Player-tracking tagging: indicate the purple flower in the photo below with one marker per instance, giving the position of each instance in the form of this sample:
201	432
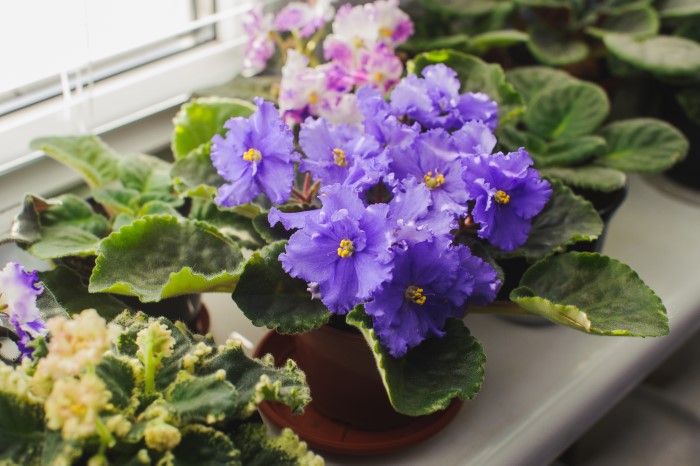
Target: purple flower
256	155
508	193
474	137
344	248
260	47
18	292
411	219
340	154
384	127
430	283
433	159
304	18
435	102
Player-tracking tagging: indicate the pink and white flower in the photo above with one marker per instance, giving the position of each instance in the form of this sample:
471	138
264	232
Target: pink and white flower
260	46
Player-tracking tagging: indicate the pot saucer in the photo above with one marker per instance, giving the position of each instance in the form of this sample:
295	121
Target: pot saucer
326	434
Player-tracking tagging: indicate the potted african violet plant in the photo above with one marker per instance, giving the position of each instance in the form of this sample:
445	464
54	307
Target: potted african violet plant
136	390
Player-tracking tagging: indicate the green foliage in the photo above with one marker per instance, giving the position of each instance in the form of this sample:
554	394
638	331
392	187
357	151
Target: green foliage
194	175
430	375
200	119
289	308
588	177
678	8
660	55
554	48
592	293
21	428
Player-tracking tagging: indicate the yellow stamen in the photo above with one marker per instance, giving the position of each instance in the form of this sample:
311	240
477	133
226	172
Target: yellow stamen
339	157
378	77
359	43
252	155
433	182
415	294
386	32
502	197
313	97
346	248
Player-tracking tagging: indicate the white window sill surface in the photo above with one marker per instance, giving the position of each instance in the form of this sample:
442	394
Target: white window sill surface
545	386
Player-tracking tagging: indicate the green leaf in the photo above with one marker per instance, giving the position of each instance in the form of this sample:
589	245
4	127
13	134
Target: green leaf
200	119
620	6
511	139
642	145
592	293
567	111
91	157
460	7
145	173
70	210
455	41
689	100
661	55
637	22
117	200
430	375
194	174
199	399
205	446
564	4
237	227
566	219
502	38
678	8
59	451
588	177
553	48
569	151
68	291
21	427
269	297
529	80
64	241
475	75
118	376
245	88
259	449
157	257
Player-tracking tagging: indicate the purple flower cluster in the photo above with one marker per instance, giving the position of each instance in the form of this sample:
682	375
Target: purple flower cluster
430	153
18	292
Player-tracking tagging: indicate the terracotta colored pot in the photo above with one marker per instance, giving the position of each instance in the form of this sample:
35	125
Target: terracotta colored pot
344	379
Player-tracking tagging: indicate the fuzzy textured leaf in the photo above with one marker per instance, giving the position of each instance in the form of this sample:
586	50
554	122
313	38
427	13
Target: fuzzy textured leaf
72	296
290	308
569	151
119	378
551	48
204	397
460	7
592	293
589	177
502	38
572	110
637	22
258	449
21	429
430	375
642	145
238	227
194	174
200	119
205	446
678	8
475	76
662	55
157	257
529	80
566	219
64	241
91	157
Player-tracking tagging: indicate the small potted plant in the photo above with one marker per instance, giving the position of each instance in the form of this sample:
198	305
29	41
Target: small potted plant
136	390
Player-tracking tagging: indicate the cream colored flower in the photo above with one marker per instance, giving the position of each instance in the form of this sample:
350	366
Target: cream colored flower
161	436
74	406
158	337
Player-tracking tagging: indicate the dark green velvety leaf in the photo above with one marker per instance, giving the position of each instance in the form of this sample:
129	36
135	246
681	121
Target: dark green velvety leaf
475	76
70	210
157	208
68	291
145	173
269	297
567	111
194	174
570	151
119	378
157	257
26	227
642	145
529	80
117	200
196	399
59	451
588	177
502	38
678	8
21	429
553	48
236	226
565	220
460	7
661	55
430	375
259	449
200	119
257	380
64	241
456	41
205	446
689	99
637	22
511	139
121	220
620	6
592	293
95	161
273	233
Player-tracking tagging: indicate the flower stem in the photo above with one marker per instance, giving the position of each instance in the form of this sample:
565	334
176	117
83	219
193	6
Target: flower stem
106	438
